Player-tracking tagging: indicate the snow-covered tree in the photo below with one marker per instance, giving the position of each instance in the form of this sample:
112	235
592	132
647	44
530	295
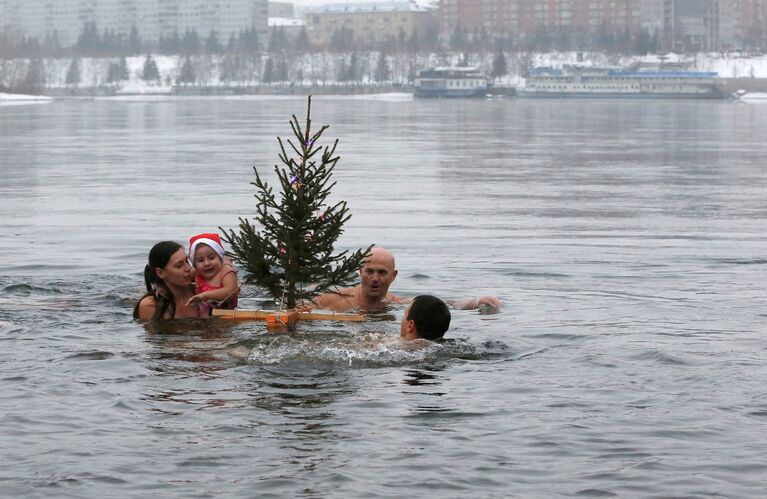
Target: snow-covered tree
73	73
500	65
150	72
382	73
186	76
268	76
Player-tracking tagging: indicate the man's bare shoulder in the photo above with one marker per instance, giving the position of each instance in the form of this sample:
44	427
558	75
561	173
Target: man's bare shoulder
339	302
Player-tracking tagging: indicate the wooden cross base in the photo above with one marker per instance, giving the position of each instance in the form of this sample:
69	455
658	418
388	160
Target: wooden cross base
282	318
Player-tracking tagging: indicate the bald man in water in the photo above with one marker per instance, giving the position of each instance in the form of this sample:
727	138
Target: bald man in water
376	275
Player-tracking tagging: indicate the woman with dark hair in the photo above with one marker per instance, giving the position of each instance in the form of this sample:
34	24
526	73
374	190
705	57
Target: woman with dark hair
169	285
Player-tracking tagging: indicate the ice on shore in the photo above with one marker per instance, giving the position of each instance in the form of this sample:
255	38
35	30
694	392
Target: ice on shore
21	99
754	97
141	87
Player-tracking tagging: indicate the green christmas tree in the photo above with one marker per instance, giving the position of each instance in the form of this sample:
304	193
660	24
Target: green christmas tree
290	251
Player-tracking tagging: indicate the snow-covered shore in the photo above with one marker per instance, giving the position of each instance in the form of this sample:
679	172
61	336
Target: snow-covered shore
755	97
319	72
323	69
18	99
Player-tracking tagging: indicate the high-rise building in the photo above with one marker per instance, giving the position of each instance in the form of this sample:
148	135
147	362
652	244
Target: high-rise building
466	15
509	17
651	15
750	23
281	9
681	24
152	18
617	15
700	25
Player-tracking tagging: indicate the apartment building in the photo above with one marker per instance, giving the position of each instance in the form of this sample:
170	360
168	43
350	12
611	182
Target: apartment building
509	17
619	15
651	15
369	23
684	25
700	25
750	24
152	18
469	16
285	10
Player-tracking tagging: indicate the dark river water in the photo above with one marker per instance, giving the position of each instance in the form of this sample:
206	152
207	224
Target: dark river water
627	240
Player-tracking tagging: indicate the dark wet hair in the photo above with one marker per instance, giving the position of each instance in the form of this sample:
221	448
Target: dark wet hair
159	256
431	317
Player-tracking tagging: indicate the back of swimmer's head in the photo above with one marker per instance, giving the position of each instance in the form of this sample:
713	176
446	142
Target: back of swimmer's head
430	317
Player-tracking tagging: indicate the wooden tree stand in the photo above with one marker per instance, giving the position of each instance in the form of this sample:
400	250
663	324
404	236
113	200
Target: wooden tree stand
282	318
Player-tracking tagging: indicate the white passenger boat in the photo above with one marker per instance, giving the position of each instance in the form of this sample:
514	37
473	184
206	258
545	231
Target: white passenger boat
451	82
634	82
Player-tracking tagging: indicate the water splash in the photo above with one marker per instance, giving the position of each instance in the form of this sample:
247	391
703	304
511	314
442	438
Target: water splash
365	350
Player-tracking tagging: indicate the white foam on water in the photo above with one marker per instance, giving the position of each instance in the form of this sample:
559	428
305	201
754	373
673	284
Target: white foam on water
369	350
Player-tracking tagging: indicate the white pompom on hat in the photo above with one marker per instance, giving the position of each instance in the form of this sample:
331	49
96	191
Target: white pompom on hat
210	239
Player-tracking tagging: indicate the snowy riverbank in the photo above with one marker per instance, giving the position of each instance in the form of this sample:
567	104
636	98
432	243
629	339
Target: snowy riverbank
247	73
755	97
17	99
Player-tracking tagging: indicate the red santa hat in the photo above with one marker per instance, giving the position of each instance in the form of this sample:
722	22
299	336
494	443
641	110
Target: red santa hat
208	238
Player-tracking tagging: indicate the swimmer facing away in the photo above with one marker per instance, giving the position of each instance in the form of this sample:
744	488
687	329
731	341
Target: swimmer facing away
427	317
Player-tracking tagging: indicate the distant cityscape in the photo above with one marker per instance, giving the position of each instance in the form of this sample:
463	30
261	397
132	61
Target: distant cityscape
63	28
678	25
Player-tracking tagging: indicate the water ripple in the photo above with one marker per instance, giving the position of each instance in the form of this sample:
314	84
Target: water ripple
94	355
625	238
660	357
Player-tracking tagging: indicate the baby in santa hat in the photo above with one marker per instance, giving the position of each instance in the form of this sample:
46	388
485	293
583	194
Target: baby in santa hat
216	279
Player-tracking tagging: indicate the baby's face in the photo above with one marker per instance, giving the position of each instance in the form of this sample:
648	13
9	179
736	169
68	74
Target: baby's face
207	262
